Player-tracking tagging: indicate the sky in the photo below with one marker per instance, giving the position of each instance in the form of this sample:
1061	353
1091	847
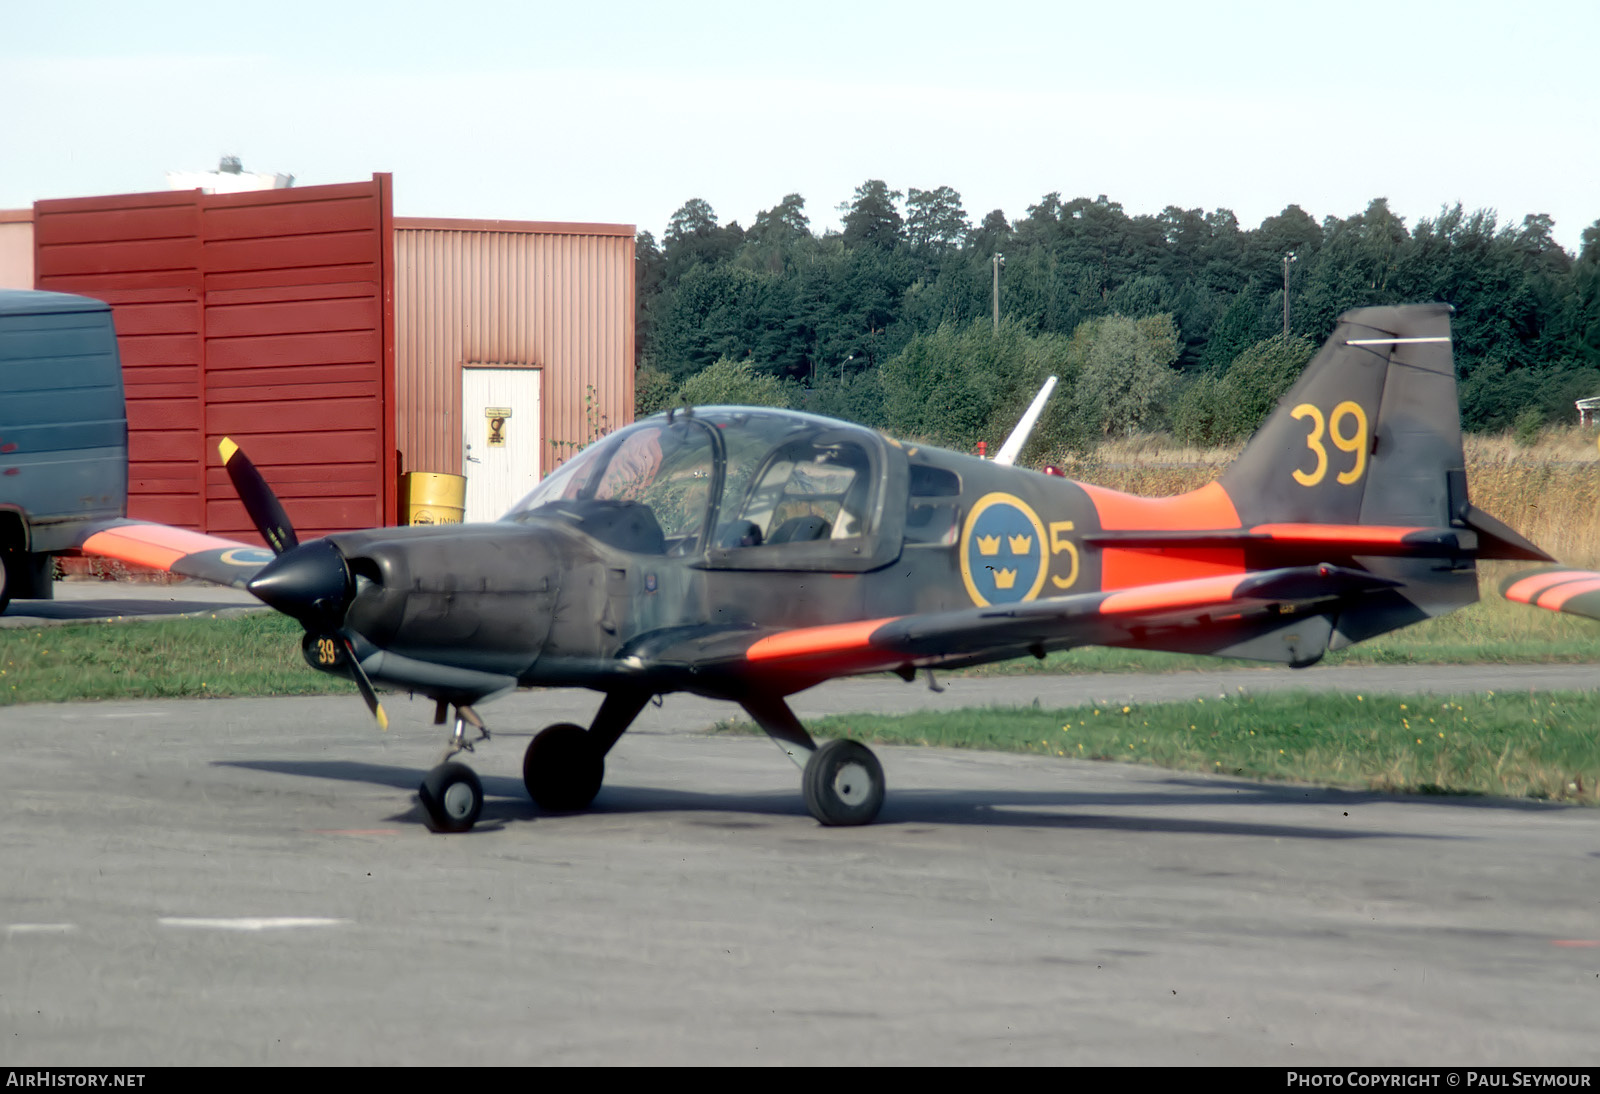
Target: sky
620	112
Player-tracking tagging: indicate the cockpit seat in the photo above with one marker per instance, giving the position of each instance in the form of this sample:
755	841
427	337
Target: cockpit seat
738	533
800	530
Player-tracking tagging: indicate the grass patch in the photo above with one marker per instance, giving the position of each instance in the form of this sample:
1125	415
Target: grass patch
257	654
1543	746
1491	631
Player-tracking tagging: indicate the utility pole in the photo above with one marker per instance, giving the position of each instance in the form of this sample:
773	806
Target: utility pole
1287	258
999	260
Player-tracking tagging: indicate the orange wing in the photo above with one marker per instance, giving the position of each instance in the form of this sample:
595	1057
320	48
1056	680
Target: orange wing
1573	591
175	550
1223	609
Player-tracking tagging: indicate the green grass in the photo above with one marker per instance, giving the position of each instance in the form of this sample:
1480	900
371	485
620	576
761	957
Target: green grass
257	654
1542	746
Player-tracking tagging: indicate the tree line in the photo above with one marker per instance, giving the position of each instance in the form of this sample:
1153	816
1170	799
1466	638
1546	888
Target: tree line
1184	320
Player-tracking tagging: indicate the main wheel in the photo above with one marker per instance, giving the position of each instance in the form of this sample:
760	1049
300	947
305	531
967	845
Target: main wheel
843	783
563	769
452	798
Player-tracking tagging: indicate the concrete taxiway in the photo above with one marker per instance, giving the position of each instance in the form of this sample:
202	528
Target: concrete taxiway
88	600
248	882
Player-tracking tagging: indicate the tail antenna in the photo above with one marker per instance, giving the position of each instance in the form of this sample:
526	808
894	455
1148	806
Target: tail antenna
1019	436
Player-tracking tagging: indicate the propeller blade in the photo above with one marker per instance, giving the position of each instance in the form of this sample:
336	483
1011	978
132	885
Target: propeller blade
365	685
259	500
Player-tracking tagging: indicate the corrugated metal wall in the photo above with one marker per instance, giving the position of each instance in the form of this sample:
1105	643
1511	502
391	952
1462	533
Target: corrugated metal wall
558	297
16	248
262	316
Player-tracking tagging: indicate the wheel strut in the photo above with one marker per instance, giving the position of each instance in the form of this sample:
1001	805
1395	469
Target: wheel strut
465	716
451	795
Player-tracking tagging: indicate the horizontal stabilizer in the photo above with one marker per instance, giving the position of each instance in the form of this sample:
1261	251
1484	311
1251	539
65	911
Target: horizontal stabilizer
1497	540
1325	539
1574	591
1484	537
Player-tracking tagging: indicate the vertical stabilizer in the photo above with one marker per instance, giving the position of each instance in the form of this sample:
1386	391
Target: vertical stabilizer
1370	434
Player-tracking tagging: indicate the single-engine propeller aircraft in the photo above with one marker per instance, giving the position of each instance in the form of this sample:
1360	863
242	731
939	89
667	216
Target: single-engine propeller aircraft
747	554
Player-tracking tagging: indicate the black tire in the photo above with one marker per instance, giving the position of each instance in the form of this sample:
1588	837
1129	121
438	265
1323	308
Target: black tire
563	769
13	577
843	783
452	798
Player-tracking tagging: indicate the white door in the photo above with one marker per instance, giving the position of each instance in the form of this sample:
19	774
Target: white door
499	437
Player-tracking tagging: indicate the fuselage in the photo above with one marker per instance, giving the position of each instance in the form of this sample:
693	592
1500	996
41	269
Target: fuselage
741	518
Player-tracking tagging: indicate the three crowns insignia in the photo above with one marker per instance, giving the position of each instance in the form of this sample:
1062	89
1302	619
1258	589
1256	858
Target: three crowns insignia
989	547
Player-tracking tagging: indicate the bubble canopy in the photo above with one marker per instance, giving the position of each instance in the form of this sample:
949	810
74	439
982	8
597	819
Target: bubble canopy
736	488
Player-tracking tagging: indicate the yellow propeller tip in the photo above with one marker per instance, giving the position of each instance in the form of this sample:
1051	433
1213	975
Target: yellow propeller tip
227	448
383	719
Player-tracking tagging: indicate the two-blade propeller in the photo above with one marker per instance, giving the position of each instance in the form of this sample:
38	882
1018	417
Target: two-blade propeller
309	582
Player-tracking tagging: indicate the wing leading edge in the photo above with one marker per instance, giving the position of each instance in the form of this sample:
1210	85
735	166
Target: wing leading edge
1226	605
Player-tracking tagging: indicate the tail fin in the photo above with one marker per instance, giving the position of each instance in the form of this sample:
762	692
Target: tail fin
1370	434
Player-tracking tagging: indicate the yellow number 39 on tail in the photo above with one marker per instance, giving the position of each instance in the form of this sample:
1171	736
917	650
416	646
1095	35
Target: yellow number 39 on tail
1353	442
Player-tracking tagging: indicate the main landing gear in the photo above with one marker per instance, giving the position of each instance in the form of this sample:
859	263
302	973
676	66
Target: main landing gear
842	780
565	764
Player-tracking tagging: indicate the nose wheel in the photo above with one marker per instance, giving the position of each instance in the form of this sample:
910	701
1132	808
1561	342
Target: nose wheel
452	797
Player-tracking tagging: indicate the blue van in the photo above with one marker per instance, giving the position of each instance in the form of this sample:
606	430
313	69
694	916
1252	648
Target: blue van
63	432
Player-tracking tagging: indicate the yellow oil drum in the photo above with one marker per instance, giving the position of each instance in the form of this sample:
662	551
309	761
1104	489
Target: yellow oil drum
432	497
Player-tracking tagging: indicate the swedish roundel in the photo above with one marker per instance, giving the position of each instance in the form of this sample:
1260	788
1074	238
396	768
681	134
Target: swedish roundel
1002	551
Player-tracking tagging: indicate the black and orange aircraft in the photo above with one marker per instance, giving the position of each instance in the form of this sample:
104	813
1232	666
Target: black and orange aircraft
748	554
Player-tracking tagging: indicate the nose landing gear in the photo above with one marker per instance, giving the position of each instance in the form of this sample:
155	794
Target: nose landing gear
452	798
451	795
